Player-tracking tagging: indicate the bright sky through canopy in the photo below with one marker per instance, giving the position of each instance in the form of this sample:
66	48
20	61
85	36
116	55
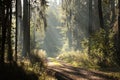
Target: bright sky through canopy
57	1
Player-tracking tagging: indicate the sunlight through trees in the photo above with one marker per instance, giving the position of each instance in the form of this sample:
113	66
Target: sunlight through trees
36	35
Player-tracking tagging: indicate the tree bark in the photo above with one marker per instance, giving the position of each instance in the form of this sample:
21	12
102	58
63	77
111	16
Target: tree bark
18	27
112	2
100	13
4	18
90	26
118	49
9	25
26	29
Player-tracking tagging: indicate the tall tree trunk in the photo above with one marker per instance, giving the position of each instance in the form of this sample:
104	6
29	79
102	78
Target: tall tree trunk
90	26
112	2
100	13
10	52
118	49
18	27
0	26
26	29
16	37
4	18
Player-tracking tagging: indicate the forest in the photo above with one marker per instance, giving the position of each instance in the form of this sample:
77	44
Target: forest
59	39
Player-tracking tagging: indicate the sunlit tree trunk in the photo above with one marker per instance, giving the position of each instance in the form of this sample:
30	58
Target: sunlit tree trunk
19	27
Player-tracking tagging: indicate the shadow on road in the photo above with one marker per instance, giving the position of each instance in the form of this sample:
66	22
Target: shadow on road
68	72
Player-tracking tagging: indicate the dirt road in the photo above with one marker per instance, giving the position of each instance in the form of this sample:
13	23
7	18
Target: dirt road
68	72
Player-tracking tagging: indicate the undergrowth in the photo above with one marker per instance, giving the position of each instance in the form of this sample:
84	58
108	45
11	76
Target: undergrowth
81	59
78	59
36	68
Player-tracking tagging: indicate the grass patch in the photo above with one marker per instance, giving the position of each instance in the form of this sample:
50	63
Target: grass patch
77	59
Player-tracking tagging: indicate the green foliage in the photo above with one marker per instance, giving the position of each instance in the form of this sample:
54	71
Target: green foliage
41	71
36	67
97	57
38	22
76	58
99	48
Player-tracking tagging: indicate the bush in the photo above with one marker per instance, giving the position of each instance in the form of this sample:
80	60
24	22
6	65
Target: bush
76	58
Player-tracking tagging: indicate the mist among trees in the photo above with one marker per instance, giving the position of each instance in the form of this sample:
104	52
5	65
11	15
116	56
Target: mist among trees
59	39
